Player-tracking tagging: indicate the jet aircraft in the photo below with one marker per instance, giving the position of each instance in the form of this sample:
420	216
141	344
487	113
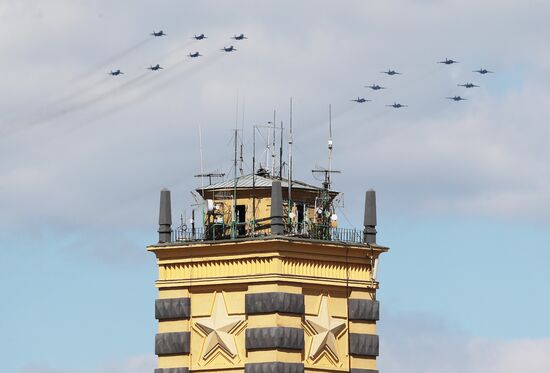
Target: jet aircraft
375	87
390	72
239	37
200	37
157	34
229	49
396	105
115	72
194	55
155	68
483	71
456	98
448	61
468	85
360	100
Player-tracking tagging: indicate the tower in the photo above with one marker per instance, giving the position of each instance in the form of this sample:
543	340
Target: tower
266	284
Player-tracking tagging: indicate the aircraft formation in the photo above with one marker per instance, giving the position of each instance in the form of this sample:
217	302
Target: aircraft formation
397	105
196	54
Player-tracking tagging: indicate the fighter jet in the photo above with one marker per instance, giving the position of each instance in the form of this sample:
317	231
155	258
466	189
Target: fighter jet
200	37
448	61
155	68
396	105
194	55
468	85
115	72
390	72
360	100
483	71
157	34
239	37
229	49
375	87
456	98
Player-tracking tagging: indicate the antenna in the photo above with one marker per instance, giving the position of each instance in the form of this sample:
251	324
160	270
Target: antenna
253	178
209	175
273	147
329	142
325	206
234	210
281	154
290	157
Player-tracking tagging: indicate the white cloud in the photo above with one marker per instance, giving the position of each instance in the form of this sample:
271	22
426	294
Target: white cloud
417	344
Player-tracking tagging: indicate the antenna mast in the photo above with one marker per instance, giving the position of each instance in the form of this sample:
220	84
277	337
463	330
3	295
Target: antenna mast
290	157
281	154
273	147
253	178
234	210
329	144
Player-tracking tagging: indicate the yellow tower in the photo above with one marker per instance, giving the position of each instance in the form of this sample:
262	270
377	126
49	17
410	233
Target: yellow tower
265	285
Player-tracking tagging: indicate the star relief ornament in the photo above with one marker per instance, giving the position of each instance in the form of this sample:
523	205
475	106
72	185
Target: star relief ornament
325	330
219	329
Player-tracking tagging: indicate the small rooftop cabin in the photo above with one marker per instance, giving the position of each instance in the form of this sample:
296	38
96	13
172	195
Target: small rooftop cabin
258	205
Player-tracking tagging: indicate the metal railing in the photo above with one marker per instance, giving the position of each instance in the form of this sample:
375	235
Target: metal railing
223	232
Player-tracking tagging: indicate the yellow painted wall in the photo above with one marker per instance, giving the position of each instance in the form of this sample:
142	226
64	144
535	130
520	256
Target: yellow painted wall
232	269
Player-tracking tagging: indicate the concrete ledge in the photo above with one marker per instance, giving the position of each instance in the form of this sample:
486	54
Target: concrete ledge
275	338
172	370
172	343
355	370
173	308
363	344
274	302
363	310
275	367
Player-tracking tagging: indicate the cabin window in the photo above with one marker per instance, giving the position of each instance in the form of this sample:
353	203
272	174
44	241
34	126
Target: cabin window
241	219
300	209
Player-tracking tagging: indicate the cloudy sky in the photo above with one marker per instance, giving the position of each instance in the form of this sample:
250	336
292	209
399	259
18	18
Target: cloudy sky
462	187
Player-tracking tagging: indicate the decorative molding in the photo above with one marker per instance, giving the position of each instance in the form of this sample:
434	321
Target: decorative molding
172	343
274	338
363	310
363	344
301	268
324	269
274	302
274	367
173	308
215	268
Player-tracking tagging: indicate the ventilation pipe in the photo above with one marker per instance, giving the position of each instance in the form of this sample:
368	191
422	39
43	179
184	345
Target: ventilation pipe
277	224
165	217
369	232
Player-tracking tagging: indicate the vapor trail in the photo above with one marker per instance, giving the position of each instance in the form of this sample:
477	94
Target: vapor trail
157	86
105	63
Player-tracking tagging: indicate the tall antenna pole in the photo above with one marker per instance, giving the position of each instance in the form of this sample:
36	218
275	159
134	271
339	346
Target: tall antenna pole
281	154
329	144
290	157
273	147
253	178
234	212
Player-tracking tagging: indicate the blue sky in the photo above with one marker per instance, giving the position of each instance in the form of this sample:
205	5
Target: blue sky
462	187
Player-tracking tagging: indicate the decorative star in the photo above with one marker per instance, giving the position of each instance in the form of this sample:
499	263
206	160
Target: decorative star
218	329
326	329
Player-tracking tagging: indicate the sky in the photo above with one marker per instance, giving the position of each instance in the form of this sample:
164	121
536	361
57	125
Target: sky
462	192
